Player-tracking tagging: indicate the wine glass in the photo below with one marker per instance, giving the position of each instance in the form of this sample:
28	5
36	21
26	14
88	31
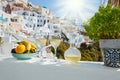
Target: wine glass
55	42
40	42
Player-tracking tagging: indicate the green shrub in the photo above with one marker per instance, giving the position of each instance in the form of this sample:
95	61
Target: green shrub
61	49
88	52
104	24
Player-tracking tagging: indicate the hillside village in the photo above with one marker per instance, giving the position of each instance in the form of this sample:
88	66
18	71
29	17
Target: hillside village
23	18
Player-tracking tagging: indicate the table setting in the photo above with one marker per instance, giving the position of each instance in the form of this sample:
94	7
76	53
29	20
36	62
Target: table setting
22	62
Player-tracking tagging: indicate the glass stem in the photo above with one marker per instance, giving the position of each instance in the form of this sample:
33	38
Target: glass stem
41	53
55	52
70	45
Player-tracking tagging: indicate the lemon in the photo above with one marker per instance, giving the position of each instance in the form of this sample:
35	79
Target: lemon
20	49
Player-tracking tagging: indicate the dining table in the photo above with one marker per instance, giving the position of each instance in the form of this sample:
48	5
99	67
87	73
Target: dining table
46	69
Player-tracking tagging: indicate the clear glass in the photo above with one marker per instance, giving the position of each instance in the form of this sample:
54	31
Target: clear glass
72	54
55	42
41	43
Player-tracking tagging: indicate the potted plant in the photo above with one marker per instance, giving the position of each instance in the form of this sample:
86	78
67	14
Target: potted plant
104	27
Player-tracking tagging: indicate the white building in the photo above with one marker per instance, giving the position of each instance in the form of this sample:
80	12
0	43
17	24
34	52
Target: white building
47	13
13	23
40	20
36	22
3	5
27	21
33	21
56	29
3	15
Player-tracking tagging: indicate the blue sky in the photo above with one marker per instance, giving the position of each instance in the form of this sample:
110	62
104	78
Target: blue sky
86	9
47	3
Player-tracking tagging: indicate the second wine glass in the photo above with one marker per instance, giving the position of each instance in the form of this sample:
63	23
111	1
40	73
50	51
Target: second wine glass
40	42
55	42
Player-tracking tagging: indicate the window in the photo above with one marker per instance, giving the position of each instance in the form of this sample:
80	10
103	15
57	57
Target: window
13	20
44	21
38	16
25	13
37	25
34	27
56	31
33	14
37	20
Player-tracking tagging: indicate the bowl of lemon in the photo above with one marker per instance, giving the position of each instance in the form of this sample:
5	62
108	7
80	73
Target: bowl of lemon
24	50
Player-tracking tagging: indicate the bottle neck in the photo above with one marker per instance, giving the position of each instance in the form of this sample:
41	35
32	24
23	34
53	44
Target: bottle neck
72	45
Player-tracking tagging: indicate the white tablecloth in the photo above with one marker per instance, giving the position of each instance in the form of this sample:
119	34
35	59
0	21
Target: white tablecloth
12	69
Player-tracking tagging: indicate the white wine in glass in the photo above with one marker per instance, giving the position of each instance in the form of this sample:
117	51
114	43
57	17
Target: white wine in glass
72	58
41	41
55	42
